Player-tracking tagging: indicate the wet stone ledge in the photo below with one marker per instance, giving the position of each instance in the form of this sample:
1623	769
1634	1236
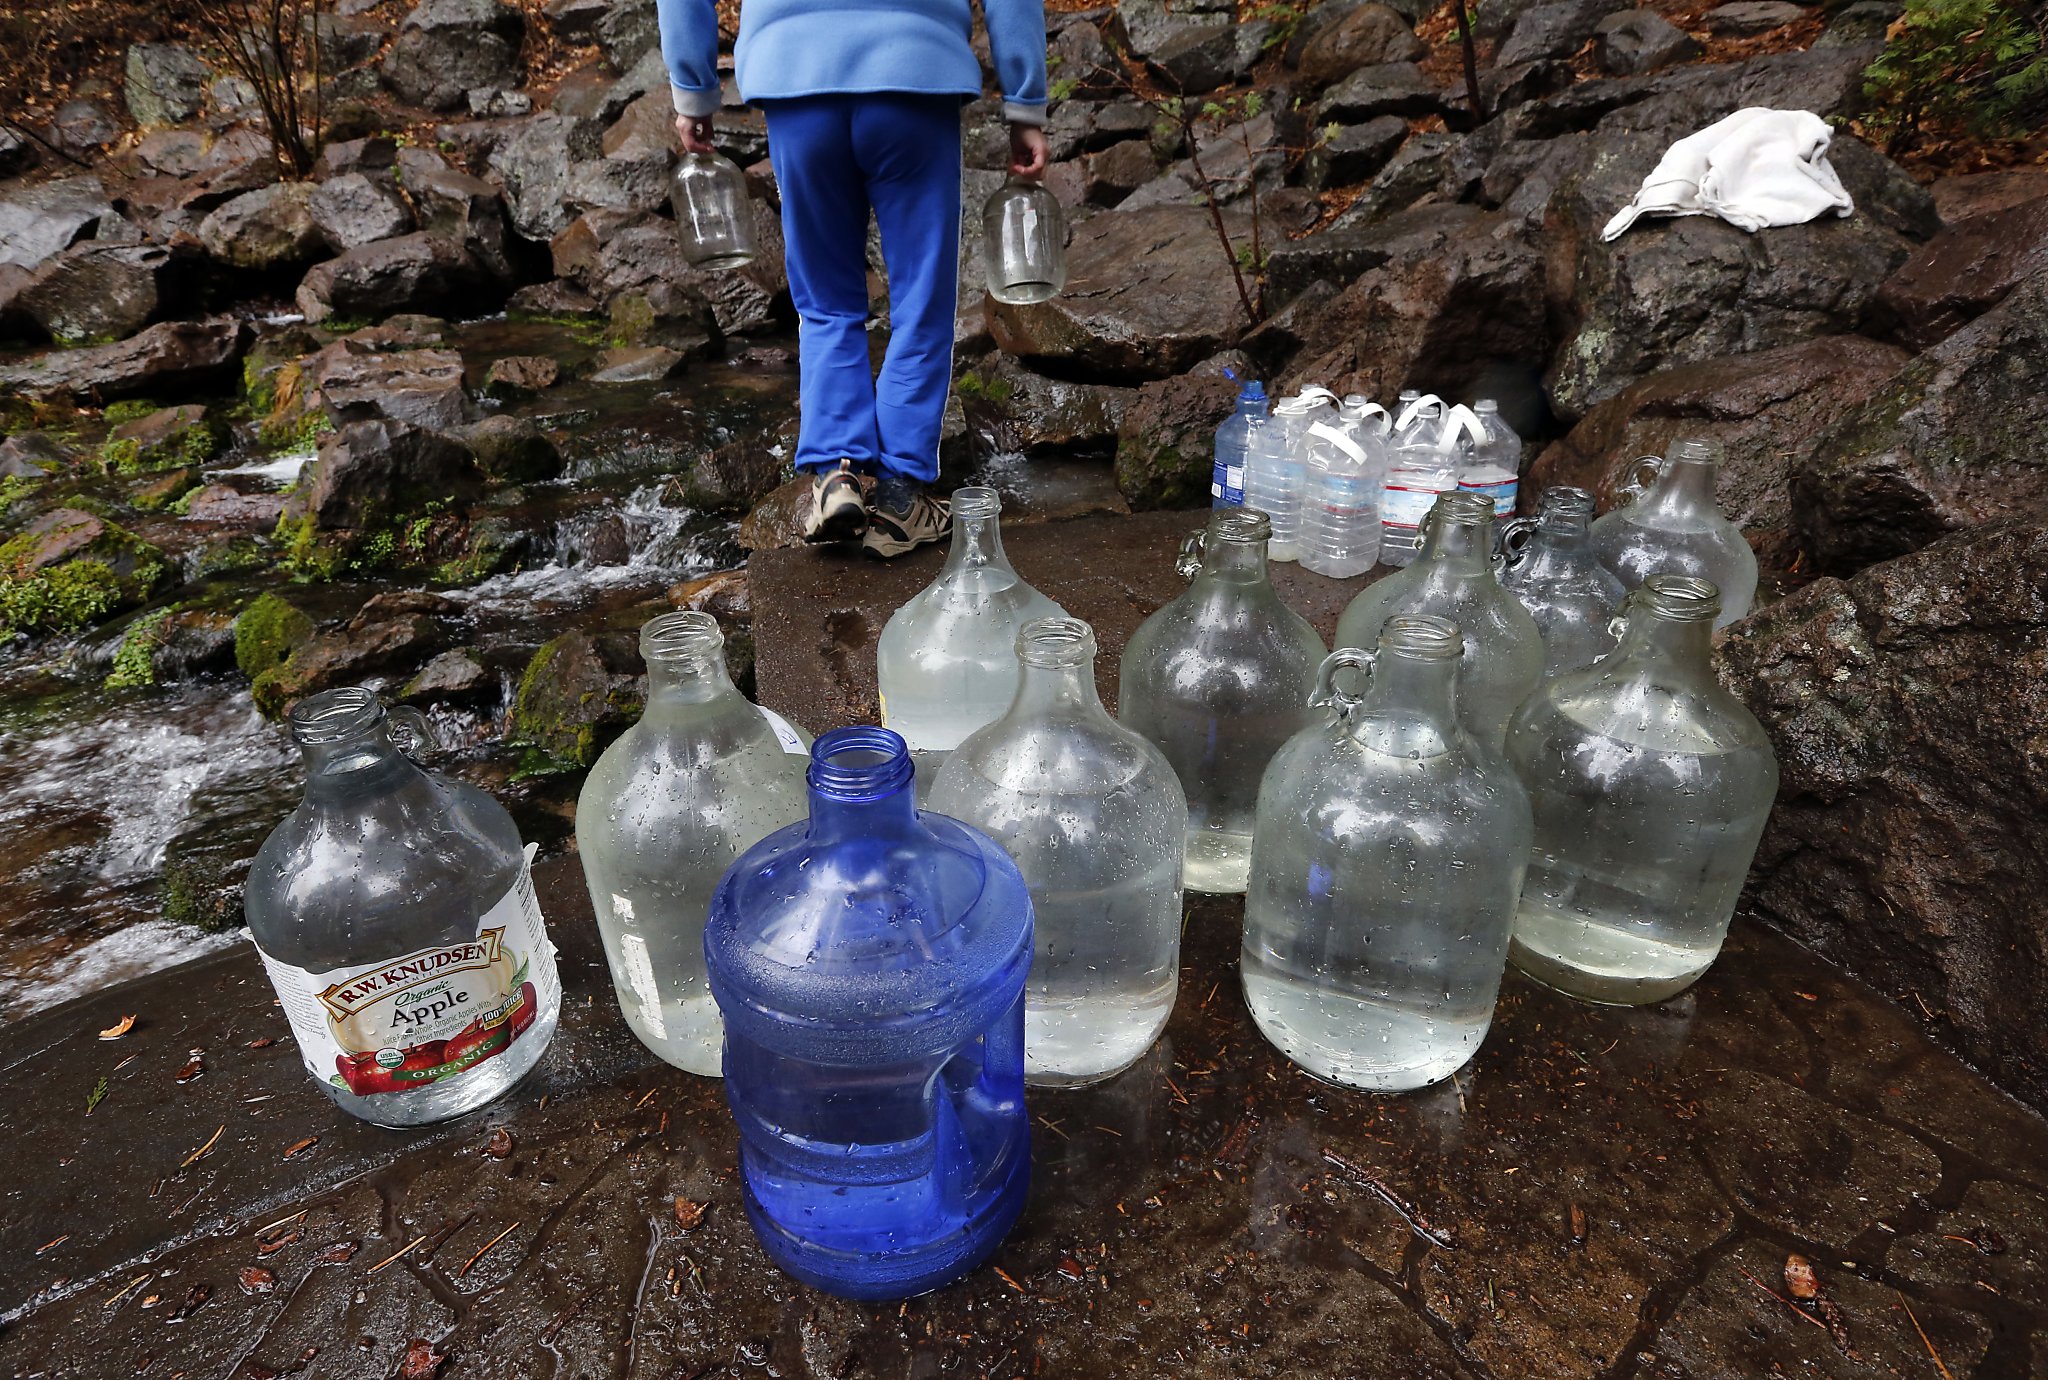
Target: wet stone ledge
1603	1193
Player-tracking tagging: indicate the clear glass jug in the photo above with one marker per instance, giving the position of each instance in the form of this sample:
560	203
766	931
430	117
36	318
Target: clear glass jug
1668	522
1385	868
1218	679
1553	571
1454	579
870	965
395	915
702	777
947	660
1651	786
1094	818
1024	243
714	214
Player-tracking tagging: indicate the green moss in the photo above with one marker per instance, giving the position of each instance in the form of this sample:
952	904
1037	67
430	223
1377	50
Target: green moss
63	598
121	456
972	387
14	488
195	891
135	661
266	634
303	553
129	410
301	432
231	557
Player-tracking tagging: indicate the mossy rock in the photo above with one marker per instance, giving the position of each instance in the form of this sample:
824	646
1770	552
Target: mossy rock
578	693
163	492
201	890
267	632
71	568
166	438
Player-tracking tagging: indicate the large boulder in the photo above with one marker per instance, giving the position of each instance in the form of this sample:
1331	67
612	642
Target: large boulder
617	256
369	472
1439	297
271	227
1555	30
39	221
1629	43
1958	437
165	84
1227	172
627	31
1202	57
1165	451
1909	706
1694	288
448	48
70	568
1370	34
533	167
1016	411
1765	408
1385	88
356	380
356	209
97	291
1963	272
1149	293
417	272
169	357
390	633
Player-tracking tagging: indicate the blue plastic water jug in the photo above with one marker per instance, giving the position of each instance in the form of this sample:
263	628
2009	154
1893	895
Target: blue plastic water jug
870	964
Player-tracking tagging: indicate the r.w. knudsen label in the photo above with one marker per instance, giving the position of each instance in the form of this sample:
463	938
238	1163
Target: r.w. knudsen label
421	1017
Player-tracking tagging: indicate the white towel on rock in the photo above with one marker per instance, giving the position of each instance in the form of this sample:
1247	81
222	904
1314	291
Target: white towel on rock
1756	168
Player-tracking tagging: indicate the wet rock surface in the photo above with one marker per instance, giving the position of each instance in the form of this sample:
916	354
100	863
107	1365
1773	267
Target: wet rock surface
1907	708
1602	1192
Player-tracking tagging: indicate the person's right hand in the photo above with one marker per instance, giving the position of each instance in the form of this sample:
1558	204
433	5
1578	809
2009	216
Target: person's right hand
695	132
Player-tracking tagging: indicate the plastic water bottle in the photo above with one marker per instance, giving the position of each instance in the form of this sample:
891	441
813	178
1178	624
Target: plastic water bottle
1364	420
1494	465
1276	471
1341	518
870	963
1417	471
1233	441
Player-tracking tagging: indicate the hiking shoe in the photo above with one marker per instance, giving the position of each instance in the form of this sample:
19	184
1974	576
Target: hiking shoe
904	518
838	510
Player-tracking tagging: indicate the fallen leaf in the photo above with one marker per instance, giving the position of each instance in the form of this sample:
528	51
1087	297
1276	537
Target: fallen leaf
689	1215
257	1280
340	1253
499	1145
276	1243
300	1147
423	1361
1800	1279
192	1069
118	1028
265	1043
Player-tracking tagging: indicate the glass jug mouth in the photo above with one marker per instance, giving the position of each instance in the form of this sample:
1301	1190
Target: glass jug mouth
1463	508
340	715
1679	598
1562	500
1700	450
976	504
1055	642
680	638
860	764
1242	526
1422	637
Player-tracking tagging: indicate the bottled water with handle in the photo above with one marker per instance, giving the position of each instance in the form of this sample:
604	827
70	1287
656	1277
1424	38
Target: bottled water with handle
1341	516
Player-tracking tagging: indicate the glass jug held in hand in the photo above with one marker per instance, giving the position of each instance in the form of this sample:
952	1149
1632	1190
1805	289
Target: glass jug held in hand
1651	786
703	776
1094	818
1385	868
1668	522
1553	571
1218	679
1454	579
395	915
1024	243
870	965
714	214
946	662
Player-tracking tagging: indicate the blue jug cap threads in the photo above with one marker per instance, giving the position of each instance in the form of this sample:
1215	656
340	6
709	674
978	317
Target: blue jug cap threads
860	763
1252	392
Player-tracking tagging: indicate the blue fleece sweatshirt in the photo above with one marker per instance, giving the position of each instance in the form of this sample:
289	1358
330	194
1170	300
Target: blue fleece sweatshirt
838	47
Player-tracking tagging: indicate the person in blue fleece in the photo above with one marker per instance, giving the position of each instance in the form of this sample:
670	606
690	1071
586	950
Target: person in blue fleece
863	101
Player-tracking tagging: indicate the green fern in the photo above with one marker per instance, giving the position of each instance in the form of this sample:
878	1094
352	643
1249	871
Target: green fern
1957	67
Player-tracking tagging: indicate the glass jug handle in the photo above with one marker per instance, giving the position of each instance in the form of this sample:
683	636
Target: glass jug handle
411	732
1637	478
1194	548
1515	536
1328	694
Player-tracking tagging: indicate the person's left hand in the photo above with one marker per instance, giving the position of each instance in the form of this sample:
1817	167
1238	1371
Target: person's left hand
1028	154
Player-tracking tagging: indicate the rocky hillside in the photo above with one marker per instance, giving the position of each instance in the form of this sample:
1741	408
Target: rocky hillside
1301	192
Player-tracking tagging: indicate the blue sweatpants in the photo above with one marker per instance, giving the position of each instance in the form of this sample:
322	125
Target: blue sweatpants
836	157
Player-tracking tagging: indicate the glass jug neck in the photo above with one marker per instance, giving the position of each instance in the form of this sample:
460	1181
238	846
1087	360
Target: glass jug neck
1461	543
678	682
1413	688
1685	644
977	533
1685	483
860	781
1046	689
346	742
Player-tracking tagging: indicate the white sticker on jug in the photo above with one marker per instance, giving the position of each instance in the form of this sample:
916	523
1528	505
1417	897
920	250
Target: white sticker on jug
785	732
